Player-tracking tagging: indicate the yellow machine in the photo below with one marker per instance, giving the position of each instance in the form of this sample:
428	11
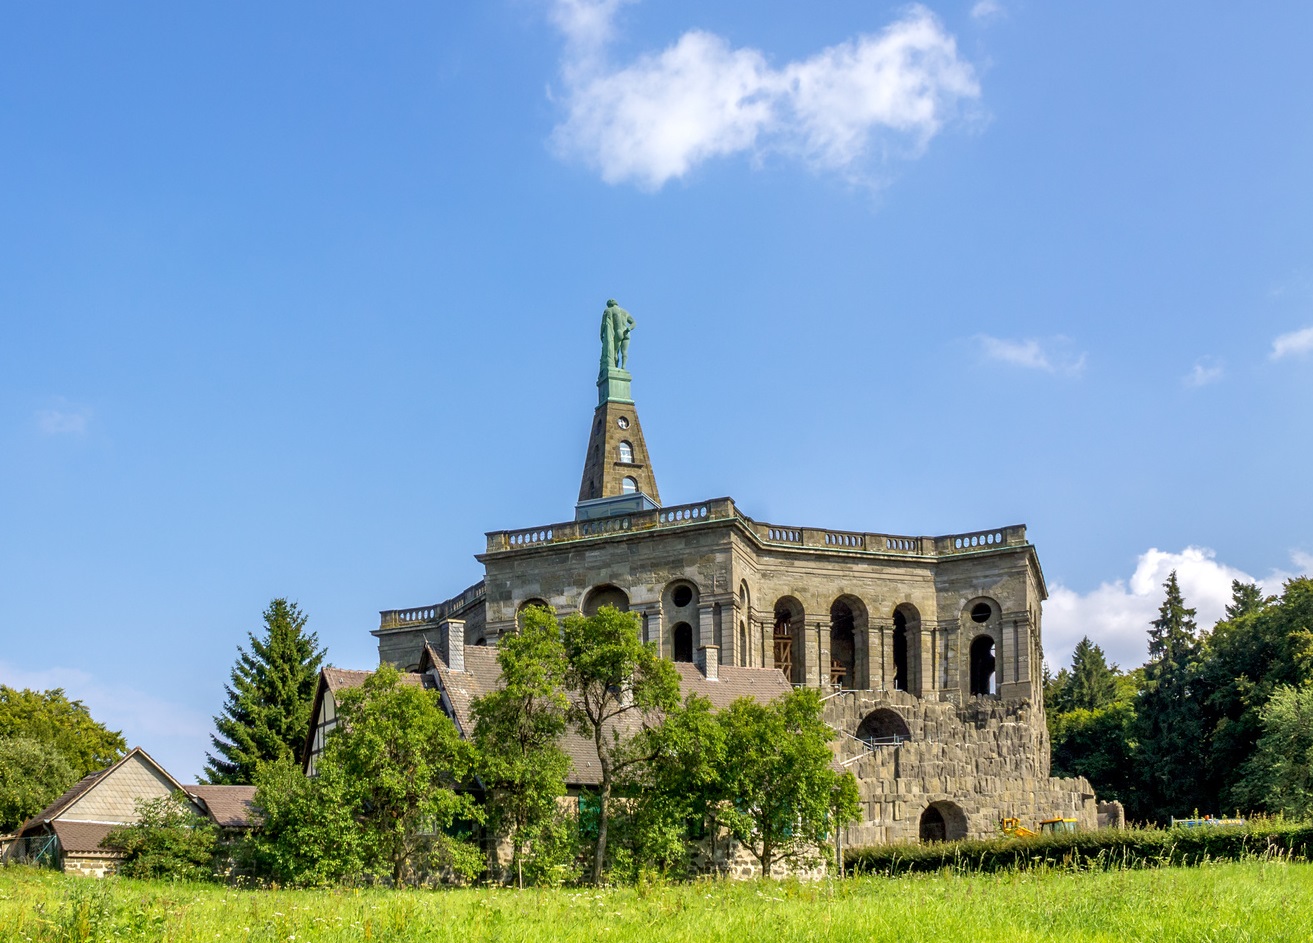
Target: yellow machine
1051	826
1014	829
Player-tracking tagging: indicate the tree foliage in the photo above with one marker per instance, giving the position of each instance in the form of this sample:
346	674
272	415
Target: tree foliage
168	840
517	732
32	775
267	711
1280	773
390	799
67	726
1169	714
616	681
779	781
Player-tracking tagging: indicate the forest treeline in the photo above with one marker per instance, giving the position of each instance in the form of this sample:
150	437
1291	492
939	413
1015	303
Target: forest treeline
1217	720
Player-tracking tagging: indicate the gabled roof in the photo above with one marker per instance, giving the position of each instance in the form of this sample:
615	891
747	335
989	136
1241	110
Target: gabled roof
227	806
83	838
331	681
84	785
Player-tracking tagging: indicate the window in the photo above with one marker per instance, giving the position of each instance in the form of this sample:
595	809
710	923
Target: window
682	637
682	596
629	485
626	453
981	612
622	422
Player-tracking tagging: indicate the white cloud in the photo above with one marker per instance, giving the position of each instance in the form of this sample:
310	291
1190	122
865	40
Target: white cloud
63	418
1116	615
1051	356
173	734
1293	344
659	117
986	10
1206	370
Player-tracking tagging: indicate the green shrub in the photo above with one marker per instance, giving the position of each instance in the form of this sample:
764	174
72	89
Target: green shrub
168	841
1108	849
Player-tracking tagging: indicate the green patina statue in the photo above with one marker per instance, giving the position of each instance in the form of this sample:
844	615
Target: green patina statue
616	325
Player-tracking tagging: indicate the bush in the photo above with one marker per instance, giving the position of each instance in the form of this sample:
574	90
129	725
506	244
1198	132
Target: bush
1108	849
168	841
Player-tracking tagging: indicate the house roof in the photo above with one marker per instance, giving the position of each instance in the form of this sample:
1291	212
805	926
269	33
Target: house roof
332	680
83	838
86	783
227	806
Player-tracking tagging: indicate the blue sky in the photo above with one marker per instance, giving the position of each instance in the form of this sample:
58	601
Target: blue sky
302	300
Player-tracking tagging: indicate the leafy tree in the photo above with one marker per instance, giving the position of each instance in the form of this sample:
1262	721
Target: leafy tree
388	798
1263	643
778	778
51	718
169	840
1280	773
1169	713
32	775
1099	745
308	832
616	680
678	794
517	731
406	767
267	712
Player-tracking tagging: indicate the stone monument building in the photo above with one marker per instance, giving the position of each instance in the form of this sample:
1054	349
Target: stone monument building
927	648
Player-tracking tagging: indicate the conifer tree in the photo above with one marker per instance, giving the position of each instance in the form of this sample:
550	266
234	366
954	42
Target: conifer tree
1093	683
267	712
1170	713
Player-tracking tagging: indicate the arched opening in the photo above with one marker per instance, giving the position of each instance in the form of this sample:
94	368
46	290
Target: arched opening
788	639
682	640
529	604
943	821
628	485
601	596
900	651
883	726
481	642
680	603
843	654
627	453
982	665
743	643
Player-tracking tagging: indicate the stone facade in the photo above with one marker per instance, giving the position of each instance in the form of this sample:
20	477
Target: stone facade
928	646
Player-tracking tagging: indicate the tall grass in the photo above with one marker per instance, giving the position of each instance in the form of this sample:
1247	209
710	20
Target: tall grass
1232	901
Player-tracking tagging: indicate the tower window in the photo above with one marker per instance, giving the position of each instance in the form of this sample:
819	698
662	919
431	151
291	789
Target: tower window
628	485
622	422
626	453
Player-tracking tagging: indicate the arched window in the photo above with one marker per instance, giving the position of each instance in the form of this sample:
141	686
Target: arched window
628	485
982	665
884	726
900	651
627	453
605	596
682	636
842	645
943	821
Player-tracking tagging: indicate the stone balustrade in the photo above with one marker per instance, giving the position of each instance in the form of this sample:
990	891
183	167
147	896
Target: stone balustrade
719	509
429	615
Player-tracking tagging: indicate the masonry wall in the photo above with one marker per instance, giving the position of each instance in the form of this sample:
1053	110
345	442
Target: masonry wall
987	759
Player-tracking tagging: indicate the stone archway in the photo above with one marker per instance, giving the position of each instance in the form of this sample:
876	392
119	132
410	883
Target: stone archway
943	821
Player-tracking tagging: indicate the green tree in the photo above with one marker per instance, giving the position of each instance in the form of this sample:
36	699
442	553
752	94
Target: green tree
1262	644
32	775
1280	773
778	778
1169	714
267	711
406	769
1093	683
517	731
169	840
308	832
677	795
67	726
616	681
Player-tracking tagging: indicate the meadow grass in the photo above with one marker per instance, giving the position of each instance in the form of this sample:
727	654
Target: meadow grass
1254	900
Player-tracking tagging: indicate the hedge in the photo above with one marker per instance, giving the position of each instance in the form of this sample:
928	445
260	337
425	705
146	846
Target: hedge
1101	850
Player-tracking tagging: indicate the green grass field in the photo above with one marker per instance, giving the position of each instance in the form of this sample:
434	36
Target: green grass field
1231	901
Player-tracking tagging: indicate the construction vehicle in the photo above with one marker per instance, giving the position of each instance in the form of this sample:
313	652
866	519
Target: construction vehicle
1013	828
1057	824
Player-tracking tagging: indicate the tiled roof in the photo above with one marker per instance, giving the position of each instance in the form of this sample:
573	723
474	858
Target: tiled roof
82	838
763	684
228	806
